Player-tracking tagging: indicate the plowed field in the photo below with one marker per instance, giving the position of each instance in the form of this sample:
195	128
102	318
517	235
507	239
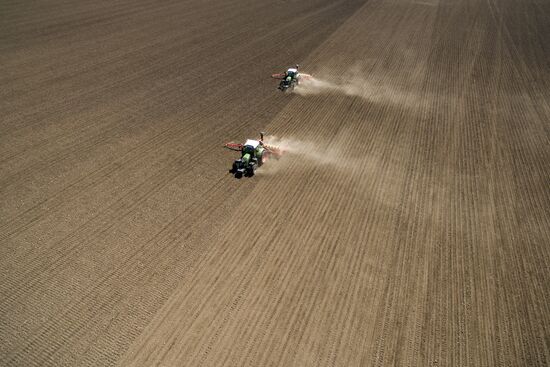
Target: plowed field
407	225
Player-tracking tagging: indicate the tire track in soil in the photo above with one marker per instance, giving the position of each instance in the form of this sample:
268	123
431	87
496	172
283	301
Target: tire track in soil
451	242
201	71
77	315
172	132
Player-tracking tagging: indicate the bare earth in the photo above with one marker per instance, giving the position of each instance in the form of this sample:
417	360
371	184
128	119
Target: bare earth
413	231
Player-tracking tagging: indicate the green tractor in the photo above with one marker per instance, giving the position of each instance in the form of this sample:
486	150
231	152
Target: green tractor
254	153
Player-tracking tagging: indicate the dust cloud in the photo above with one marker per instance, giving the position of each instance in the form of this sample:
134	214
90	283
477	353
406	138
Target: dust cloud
306	149
332	155
354	83
315	85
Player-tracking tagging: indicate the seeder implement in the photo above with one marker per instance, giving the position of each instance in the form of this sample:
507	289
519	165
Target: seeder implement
234	146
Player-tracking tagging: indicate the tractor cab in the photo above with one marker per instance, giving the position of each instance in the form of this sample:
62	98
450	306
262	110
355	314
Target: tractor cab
250	147
292	72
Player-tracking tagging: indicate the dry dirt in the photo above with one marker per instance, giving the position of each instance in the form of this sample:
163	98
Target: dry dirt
410	225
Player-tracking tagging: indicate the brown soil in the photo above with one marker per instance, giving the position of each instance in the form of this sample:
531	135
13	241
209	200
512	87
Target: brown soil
414	230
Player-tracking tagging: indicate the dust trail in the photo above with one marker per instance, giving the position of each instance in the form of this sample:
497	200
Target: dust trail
362	170
332	155
294	151
315	85
354	83
305	149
